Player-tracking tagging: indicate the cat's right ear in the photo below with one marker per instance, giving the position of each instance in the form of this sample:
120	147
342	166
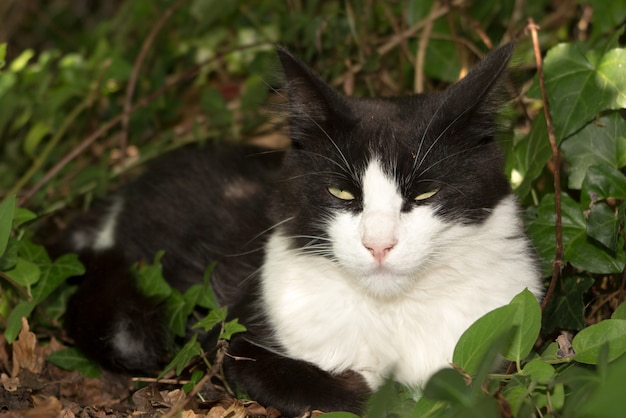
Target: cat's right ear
313	104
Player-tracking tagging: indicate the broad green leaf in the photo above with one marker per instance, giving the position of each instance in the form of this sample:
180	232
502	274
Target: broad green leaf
150	279
196	376
448	385
442	62
230	328
426	407
602	182
25	273
340	415
214	317
579	251
607	399
477	340
190	350
539	371
177	313
603	226
588	342
74	359
527	319
620	312
601	143
7	209
255	91
34	136
607	15
14	321
566	309
580	84
22	216
54	275
8	260
3	54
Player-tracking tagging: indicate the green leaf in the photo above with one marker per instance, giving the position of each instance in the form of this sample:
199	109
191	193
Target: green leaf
603	226
566	309
527	319
602	182
3	54
196	376
588	342
74	359
54	275
255	91
448	385
620	312
7	209
25	273
477	340
14	321
539	371
607	399
177	313
230	328
34	136
599	144
579	251
190	350
22	216
150	279
213	318
580	84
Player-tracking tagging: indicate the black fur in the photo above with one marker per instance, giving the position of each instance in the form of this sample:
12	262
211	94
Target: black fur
220	203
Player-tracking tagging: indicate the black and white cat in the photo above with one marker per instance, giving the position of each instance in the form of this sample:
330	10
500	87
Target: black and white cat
361	253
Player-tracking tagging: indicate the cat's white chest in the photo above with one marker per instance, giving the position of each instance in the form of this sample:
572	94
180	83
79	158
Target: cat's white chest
322	316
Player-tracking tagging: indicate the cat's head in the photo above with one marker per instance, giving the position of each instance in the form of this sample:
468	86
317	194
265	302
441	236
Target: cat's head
376	184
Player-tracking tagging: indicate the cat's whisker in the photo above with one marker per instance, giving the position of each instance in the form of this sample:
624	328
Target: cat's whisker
265	231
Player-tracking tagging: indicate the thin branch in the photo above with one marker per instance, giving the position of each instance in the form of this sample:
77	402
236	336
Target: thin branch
132	82
556	161
117	119
420	56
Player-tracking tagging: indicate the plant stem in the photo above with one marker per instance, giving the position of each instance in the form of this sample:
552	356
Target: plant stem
556	161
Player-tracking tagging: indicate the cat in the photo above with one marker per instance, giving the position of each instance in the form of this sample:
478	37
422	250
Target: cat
359	254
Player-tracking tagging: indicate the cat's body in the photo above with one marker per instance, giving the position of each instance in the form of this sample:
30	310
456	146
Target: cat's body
361	254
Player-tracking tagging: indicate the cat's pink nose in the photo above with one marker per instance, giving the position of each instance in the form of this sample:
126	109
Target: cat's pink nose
380	249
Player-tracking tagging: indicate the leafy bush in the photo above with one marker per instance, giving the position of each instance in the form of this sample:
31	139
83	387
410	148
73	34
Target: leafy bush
132	79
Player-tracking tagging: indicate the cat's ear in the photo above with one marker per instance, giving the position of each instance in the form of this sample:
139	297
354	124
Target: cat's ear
313	104
476	95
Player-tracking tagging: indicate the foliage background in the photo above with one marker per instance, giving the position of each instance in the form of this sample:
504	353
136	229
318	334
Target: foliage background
90	90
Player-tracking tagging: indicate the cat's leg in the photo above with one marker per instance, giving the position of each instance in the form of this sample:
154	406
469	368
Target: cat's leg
292	386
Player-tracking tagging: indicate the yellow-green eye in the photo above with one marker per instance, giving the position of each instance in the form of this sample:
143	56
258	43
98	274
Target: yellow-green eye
340	193
424	196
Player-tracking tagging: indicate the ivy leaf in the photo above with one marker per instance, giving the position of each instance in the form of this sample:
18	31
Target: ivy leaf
74	359
25	273
7	209
579	251
214	317
588	342
602	182
603	226
598	144
532	154
581	83
230	328
177	313
150	279
566	309
190	350
620	312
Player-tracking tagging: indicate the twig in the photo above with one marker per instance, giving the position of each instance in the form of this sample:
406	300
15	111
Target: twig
396	40
132	81
420	56
556	161
117	119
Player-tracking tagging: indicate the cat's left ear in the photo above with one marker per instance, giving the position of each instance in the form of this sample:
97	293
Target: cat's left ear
476	91
313	104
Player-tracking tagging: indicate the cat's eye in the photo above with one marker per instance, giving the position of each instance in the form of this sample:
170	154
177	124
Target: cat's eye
340	193
427	195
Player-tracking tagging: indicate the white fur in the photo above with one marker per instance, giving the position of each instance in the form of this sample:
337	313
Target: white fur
103	236
400	317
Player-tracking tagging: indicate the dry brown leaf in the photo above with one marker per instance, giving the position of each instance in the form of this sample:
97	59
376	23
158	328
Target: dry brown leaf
236	410
24	356
10	384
